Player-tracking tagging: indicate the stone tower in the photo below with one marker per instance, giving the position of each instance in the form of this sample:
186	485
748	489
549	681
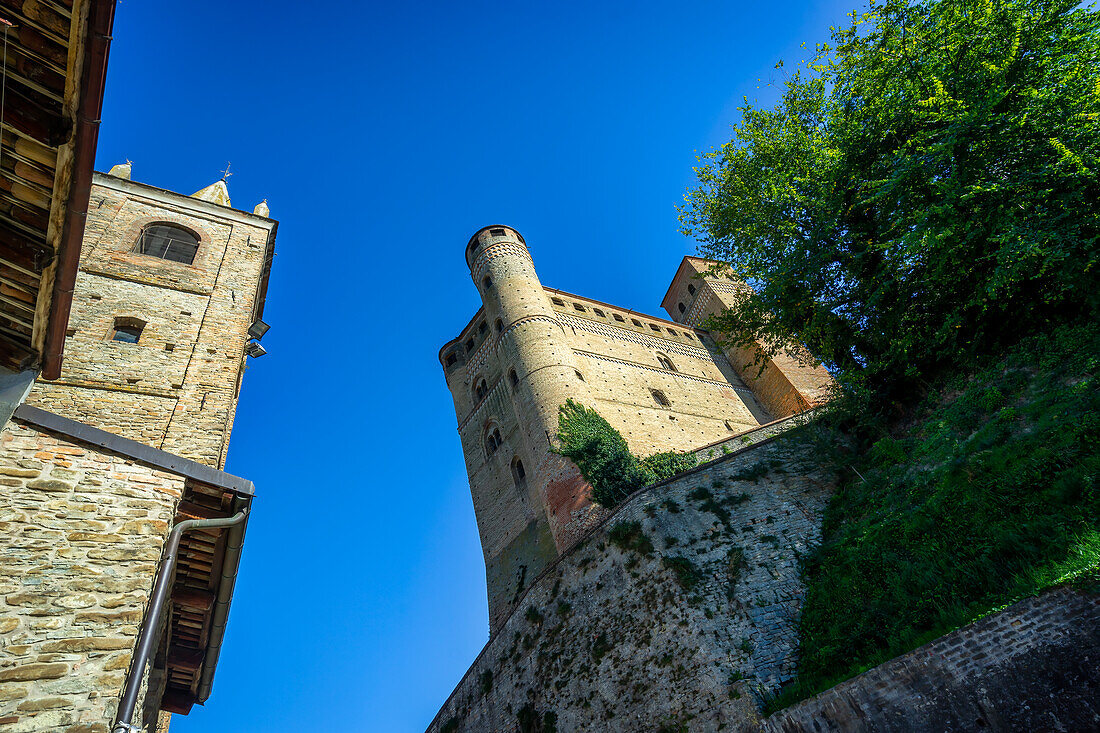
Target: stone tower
508	376
167	290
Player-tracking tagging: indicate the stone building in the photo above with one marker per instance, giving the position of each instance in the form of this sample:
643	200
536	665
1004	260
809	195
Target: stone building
114	502
665	385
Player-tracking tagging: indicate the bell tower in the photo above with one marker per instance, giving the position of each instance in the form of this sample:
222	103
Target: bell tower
168	297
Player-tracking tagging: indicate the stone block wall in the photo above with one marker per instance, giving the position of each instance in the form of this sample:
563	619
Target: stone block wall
629	638
81	534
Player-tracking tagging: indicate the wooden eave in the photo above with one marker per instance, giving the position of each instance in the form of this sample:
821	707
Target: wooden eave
53	75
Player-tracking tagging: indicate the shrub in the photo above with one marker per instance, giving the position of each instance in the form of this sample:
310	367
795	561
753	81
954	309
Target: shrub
685	571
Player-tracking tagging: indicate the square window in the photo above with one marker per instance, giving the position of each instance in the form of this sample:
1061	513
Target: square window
579	307
655	327
598	312
558	301
619	318
636	322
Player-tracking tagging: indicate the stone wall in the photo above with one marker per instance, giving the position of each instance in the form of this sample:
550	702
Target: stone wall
176	389
81	534
1032	667
628	637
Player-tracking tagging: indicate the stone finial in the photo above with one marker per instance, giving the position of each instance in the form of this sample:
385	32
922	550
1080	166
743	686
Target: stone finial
122	170
262	210
215	193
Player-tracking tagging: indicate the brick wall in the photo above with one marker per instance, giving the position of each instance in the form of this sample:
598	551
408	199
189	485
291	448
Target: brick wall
1033	667
81	534
606	639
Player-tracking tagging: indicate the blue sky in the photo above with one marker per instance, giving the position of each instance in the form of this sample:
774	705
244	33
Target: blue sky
383	136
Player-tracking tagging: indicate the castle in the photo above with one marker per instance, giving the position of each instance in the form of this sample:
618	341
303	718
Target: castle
121	532
664	385
678	610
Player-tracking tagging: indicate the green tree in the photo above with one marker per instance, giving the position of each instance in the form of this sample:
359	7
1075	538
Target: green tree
925	192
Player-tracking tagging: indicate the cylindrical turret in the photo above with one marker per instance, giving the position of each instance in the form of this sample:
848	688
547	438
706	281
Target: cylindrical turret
534	343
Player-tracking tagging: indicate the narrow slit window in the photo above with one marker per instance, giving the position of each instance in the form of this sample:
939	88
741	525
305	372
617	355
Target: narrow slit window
579	375
513	378
681	307
487	282
499	325
519	475
659	397
728	426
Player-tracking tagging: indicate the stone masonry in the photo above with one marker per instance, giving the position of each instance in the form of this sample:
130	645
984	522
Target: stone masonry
81	534
84	514
177	388
608	637
663	385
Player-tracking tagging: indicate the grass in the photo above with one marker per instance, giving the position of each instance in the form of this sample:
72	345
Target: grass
988	495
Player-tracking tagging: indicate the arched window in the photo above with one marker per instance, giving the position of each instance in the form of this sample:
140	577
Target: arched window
680	307
168	243
665	362
499	325
518	474
469	345
127	330
480	389
487	282
659	397
493	441
691	289
513	378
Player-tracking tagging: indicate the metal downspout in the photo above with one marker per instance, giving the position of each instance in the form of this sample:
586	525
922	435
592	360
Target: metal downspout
147	638
232	560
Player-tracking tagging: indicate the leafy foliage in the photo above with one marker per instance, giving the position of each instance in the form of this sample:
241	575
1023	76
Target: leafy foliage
989	494
629	536
604	458
668	464
686	572
924	193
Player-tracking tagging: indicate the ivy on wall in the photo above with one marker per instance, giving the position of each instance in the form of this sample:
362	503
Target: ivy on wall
605	460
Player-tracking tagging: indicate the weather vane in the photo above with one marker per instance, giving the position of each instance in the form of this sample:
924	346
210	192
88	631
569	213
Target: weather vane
226	174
